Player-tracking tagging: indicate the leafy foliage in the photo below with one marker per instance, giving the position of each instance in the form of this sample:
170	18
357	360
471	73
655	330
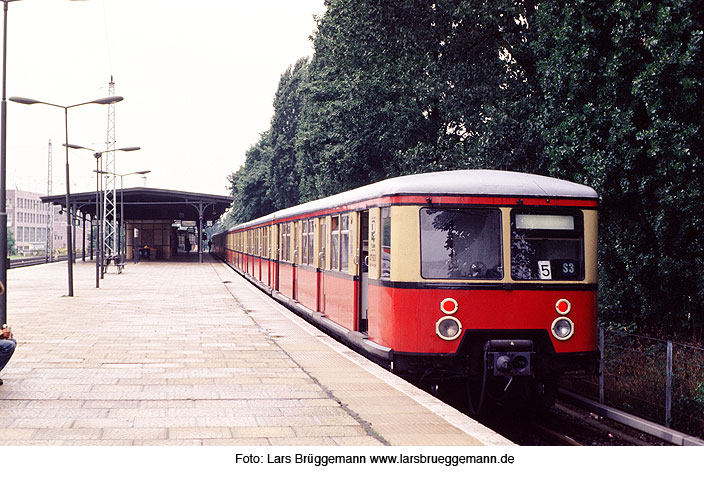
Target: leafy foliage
10	242
623	113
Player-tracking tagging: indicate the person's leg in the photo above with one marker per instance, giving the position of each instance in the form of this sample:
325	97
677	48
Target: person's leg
7	347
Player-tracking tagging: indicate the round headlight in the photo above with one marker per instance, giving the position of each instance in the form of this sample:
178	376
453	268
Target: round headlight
448	328
562	328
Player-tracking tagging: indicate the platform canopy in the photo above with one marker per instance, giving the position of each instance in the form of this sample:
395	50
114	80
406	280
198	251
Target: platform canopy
141	203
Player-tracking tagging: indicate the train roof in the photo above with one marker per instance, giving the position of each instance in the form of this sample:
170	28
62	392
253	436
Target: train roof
475	182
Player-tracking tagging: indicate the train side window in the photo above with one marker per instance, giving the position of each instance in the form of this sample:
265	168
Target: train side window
311	242
281	241
285	241
344	242
265	242
547	245
304	243
261	242
461	244
335	242
295	228
386	242
258	251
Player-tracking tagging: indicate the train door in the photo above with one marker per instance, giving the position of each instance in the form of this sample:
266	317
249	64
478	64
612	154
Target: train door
295	230
363	271
258	252
276	256
322	261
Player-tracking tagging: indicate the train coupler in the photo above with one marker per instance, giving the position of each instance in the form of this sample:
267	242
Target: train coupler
509	357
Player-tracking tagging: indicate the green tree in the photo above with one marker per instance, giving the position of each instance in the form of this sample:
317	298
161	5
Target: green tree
406	87
249	184
623	113
282	180
10	241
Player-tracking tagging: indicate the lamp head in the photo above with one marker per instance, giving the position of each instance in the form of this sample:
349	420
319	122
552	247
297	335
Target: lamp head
75	146
18	99
108	100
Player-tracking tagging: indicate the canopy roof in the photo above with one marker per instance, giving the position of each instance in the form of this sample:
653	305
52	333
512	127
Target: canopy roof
141	203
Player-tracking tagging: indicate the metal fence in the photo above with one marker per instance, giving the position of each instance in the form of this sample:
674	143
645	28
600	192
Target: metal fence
662	381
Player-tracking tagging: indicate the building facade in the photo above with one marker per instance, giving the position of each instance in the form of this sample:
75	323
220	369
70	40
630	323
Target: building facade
30	223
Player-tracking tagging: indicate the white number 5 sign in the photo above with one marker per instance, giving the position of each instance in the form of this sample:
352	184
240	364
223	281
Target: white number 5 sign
544	270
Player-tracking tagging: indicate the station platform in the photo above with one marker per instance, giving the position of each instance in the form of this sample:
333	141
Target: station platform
183	353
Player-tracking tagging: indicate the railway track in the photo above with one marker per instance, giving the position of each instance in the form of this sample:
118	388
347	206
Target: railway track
567	424
574	426
29	261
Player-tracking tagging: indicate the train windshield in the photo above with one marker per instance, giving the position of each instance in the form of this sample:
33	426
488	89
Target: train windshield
461	243
547	246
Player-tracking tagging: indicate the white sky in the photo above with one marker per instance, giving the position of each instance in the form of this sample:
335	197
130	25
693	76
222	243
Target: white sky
198	78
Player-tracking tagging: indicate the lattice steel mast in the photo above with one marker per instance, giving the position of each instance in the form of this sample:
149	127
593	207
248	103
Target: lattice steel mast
110	229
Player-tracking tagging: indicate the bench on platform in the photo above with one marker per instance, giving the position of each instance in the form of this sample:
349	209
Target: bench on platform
118	262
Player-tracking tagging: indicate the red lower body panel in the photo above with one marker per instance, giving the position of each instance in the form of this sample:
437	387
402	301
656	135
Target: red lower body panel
307	288
404	318
286	277
339	299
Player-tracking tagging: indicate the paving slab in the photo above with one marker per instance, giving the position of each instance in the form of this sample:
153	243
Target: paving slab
184	353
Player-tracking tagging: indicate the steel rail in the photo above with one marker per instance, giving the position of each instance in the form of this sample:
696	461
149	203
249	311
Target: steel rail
661	432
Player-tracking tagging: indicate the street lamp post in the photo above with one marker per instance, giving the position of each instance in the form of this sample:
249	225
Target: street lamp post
122	203
123	247
69	240
3	173
100	254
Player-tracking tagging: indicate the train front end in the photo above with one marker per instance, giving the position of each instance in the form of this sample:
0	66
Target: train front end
496	292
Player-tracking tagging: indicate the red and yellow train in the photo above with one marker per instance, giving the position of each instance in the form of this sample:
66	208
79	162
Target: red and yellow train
475	276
